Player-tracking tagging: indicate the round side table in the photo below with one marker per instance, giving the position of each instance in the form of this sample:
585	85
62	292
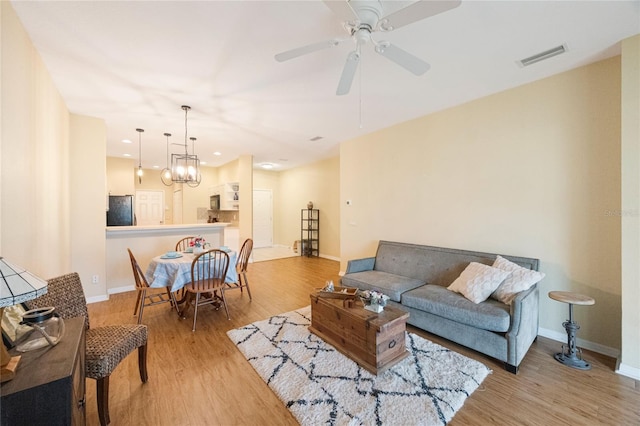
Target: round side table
571	355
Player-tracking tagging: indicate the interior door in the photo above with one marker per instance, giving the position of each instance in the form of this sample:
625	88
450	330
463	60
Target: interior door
262	218
149	207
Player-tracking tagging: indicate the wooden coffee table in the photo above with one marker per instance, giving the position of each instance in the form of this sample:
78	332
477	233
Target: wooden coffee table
374	341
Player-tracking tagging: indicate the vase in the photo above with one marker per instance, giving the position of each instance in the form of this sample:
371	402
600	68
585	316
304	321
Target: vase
374	308
197	250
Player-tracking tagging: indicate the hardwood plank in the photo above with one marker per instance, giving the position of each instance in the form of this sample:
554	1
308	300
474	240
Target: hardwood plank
201	378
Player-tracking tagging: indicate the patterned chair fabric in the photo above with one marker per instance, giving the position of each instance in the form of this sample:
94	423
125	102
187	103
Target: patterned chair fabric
105	346
108	345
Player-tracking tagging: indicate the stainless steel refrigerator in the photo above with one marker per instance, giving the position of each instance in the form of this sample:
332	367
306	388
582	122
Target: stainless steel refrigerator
120	211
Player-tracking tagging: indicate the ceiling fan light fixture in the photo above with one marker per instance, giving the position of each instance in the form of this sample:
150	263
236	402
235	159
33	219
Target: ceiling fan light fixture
550	53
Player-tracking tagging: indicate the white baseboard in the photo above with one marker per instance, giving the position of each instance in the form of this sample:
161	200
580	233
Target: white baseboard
105	297
595	347
324	256
124	289
96	299
627	370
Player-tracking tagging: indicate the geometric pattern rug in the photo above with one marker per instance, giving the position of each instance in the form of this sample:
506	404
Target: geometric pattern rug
319	385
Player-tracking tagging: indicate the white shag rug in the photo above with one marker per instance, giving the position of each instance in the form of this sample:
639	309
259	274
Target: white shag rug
319	385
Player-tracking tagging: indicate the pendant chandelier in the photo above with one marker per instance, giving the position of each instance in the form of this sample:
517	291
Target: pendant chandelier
185	168
140	172
165	175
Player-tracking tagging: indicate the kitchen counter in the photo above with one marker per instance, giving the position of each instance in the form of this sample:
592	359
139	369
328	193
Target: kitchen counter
170	229
145	243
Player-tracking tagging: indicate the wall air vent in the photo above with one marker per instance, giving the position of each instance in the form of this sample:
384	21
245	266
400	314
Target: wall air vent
542	55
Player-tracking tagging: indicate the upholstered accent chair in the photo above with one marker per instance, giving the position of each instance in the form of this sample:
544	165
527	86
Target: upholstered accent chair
106	346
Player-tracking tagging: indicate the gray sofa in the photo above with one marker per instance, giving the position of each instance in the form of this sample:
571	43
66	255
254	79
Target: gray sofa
416	277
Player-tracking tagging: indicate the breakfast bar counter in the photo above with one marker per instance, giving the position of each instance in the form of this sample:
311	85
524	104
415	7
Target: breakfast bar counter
146	242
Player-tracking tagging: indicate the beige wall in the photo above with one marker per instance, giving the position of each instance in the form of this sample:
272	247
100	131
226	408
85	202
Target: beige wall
318	182
88	141
533	171
630	209
35	220
52	216
120	176
293	189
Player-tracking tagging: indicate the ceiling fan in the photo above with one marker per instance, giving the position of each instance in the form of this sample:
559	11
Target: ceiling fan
363	18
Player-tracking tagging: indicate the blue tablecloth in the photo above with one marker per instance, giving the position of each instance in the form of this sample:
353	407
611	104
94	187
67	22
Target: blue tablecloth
177	272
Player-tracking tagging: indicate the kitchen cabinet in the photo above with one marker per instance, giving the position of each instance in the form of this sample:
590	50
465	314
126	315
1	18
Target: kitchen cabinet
230	196
49	386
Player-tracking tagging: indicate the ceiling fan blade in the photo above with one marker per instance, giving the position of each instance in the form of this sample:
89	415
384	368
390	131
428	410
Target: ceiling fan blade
349	71
415	12
403	58
342	8
310	48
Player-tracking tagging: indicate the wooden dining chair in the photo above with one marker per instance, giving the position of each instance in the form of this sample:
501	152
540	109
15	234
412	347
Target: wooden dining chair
105	346
148	296
184	243
208	272
241	268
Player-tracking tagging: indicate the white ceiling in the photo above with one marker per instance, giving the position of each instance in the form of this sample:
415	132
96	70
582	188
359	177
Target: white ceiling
134	63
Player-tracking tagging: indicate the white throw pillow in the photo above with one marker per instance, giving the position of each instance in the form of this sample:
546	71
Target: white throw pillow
478	281
521	279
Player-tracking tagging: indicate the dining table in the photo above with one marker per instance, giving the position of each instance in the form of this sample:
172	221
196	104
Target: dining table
174	270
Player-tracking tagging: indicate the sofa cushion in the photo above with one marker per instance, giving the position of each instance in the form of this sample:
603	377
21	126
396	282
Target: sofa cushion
478	281
390	284
489	315
521	279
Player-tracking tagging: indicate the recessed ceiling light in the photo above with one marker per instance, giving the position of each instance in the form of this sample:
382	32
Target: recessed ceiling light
156	167
127	155
126	141
217	153
203	162
266	166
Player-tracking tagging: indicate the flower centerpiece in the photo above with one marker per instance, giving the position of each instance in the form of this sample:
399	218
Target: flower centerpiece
199	244
373	300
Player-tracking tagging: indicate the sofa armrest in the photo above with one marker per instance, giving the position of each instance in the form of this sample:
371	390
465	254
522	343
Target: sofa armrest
524	324
360	265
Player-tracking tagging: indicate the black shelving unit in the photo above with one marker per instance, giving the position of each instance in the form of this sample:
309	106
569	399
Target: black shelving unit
310	232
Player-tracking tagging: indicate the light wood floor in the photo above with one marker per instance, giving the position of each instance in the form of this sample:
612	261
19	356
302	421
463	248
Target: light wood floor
202	379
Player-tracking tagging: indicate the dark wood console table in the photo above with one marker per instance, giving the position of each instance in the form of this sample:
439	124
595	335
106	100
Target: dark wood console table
49	386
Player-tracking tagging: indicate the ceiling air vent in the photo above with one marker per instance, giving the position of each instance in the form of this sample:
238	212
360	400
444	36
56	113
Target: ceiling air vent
315	138
542	55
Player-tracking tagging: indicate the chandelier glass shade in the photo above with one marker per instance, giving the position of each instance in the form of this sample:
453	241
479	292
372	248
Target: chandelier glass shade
185	168
140	172
165	175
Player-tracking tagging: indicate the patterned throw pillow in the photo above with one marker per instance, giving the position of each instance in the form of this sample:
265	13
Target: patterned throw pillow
521	279
478	281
